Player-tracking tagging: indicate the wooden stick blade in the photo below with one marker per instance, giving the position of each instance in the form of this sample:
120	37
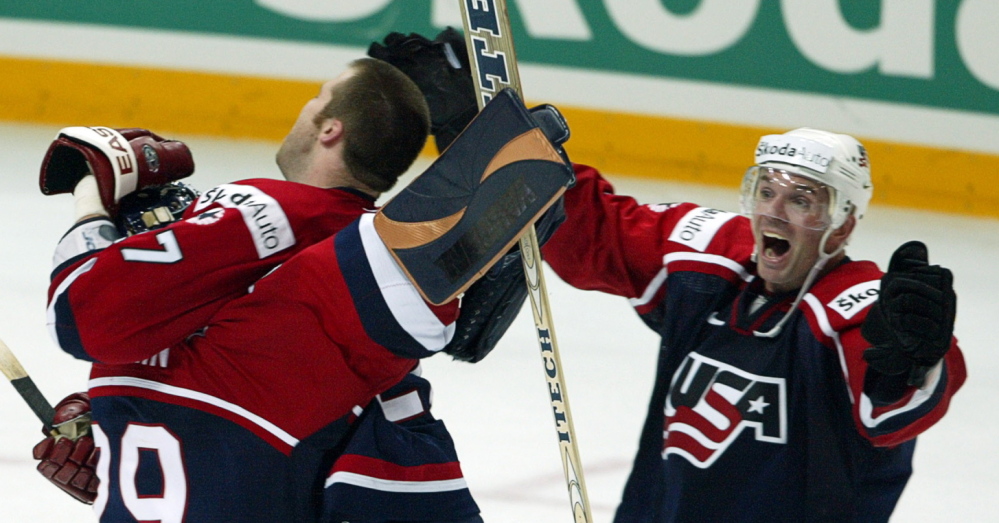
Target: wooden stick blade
9	364
14	372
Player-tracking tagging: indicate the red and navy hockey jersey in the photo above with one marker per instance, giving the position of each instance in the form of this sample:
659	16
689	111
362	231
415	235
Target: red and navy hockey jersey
182	274
248	418
743	427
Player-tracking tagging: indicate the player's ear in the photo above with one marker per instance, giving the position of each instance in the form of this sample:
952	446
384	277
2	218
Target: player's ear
841	234
330	131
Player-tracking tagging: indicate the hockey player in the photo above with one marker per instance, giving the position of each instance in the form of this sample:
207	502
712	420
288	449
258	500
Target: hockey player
344	149
792	381
212	210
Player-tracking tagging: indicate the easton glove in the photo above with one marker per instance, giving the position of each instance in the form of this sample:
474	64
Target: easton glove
69	459
121	160
911	325
440	69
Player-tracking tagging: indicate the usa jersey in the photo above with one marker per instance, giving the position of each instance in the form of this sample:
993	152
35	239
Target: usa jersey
744	427
254	407
182	274
399	465
188	290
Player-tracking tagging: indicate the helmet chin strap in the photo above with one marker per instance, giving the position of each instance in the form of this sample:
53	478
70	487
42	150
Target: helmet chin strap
809	280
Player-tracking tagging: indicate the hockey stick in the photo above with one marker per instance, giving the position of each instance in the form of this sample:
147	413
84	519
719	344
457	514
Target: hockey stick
25	387
494	67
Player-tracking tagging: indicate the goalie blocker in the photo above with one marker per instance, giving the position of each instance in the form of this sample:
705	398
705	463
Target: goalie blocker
472	205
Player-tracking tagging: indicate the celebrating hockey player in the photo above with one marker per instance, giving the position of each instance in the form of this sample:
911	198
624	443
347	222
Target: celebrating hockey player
792	380
253	416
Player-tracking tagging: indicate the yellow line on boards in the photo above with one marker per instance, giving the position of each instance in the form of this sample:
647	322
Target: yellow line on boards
71	93
718	154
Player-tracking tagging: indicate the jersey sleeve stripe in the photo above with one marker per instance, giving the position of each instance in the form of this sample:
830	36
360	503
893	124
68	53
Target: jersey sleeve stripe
823	320
170	390
712	259
650	291
872	417
59	316
377	474
880	421
407	326
388	485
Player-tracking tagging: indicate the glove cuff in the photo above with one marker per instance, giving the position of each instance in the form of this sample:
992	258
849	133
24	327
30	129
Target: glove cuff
87	199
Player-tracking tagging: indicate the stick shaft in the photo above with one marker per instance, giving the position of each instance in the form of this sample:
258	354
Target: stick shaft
19	378
494	67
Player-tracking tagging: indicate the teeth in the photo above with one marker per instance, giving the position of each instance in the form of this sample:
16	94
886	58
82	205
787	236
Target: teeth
769	253
774	235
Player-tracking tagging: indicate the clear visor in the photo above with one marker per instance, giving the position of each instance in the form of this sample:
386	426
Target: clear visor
786	196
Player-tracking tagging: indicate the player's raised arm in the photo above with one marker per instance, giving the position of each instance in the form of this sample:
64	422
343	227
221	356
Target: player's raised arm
203	252
912	371
614	244
440	68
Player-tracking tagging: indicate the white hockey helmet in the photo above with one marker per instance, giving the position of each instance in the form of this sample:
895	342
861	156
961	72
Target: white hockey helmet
837	161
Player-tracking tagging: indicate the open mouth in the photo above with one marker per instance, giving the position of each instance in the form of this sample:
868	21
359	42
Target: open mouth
775	245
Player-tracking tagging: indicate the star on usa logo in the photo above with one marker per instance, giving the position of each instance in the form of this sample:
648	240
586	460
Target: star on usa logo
711	403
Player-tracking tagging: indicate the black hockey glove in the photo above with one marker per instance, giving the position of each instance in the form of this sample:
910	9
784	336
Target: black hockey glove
911	324
440	69
491	304
488	308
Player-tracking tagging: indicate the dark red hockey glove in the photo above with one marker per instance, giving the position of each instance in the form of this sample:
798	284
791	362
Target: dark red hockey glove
121	160
69	460
911	325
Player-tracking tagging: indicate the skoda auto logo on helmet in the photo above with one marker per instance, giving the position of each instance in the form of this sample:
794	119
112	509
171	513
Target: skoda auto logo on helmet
795	151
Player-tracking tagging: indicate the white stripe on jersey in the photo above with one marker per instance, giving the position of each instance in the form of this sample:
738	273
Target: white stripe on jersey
820	316
50	315
660	278
713	259
866	406
917	399
139	383
404	301
650	290
389	485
